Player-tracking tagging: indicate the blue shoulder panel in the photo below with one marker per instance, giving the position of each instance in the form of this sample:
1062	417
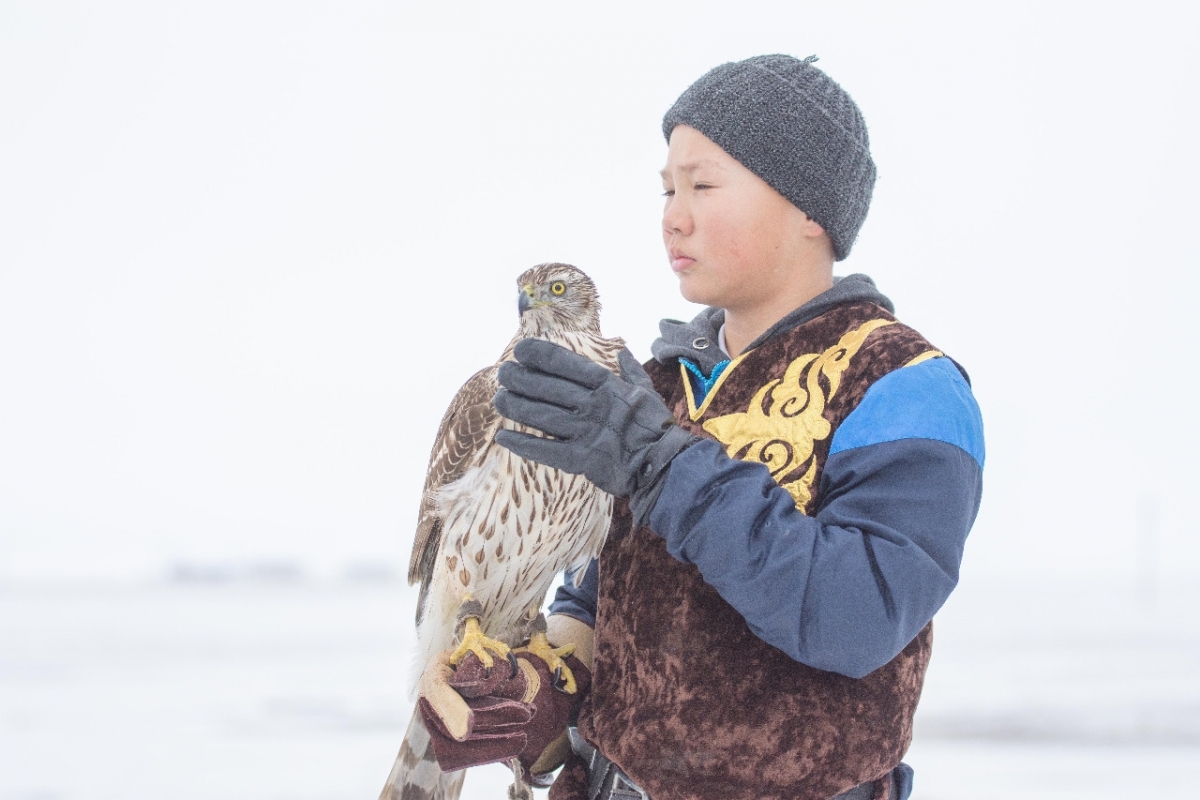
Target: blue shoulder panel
930	400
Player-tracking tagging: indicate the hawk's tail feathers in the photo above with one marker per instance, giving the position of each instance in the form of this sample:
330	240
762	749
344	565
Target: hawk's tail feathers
416	774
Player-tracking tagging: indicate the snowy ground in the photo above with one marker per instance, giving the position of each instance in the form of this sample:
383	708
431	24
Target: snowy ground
289	690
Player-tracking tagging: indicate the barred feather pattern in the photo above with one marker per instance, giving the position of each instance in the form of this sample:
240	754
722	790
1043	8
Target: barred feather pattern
415	774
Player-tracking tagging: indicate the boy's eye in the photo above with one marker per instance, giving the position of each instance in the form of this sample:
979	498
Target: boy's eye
557	288
700	186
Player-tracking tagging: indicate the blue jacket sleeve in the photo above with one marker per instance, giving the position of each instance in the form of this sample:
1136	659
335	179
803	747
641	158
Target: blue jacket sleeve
578	601
846	589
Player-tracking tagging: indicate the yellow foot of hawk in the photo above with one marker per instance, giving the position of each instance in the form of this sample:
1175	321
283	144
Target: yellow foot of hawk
539	645
473	640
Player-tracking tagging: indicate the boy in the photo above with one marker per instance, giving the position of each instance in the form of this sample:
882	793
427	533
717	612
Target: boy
801	472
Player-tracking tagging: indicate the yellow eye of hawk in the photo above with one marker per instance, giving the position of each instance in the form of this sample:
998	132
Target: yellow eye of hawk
558	288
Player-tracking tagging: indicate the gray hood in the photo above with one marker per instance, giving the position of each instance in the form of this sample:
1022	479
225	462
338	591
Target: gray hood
697	340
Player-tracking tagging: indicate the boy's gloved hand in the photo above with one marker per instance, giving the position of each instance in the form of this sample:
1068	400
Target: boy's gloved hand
614	430
475	716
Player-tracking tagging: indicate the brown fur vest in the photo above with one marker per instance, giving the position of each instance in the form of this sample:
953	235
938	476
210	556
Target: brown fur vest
685	698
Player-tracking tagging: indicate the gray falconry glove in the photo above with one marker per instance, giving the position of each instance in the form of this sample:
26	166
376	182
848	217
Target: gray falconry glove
615	431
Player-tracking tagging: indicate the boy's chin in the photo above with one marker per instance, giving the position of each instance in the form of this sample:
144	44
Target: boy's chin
695	291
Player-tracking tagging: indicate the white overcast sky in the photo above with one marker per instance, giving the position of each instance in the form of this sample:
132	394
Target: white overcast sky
248	251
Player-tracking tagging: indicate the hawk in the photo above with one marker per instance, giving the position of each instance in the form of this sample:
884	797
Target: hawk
495	529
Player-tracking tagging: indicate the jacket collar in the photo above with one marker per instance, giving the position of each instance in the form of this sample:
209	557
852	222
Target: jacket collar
697	340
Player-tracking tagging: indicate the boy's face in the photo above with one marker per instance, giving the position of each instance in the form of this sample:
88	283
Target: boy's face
733	241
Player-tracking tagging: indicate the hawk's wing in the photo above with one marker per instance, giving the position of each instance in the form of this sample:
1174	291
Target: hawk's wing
469	425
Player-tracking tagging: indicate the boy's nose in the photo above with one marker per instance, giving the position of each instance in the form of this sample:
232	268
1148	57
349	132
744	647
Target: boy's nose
676	219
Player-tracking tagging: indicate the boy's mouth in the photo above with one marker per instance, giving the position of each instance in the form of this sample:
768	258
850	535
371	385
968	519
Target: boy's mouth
680	260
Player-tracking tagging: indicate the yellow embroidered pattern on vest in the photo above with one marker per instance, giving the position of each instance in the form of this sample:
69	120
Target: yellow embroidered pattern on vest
928	354
786	417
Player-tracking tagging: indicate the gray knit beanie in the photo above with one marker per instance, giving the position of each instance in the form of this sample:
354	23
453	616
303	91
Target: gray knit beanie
790	124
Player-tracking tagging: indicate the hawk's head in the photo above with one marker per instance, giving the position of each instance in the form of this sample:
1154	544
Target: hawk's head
557	297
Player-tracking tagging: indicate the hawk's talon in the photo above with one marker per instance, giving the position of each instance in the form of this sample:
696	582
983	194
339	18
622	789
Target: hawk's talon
512	661
559	682
564	679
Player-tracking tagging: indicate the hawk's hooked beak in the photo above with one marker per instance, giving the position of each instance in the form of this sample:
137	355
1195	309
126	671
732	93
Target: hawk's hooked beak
525	299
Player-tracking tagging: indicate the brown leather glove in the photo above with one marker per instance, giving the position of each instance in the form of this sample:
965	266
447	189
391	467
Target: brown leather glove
476	717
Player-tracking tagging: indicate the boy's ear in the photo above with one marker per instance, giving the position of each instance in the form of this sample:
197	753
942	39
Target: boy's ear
812	228
816	235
